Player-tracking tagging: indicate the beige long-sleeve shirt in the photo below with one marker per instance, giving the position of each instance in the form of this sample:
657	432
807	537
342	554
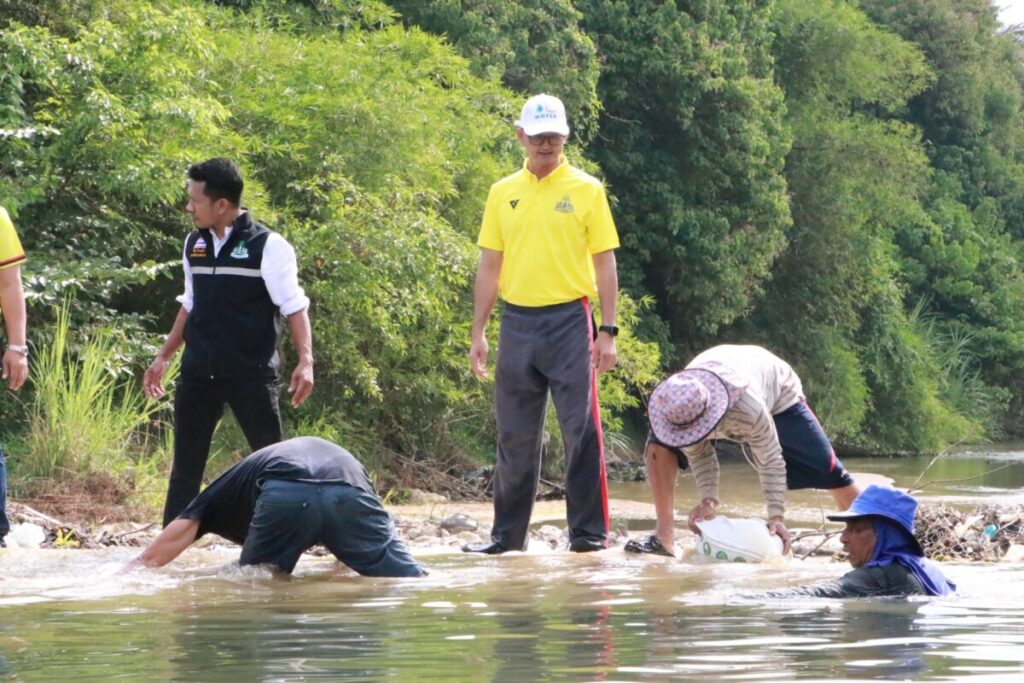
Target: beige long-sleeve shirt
760	385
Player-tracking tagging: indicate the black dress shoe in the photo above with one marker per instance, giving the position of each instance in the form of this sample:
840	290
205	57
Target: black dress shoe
485	547
586	545
648	545
2	543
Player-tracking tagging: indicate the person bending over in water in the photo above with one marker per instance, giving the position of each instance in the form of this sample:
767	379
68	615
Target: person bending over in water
879	542
746	394
282	500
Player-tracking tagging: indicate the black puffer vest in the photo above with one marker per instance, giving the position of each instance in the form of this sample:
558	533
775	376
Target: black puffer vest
233	328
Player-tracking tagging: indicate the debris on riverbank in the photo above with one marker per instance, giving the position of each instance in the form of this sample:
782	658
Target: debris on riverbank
82	534
987	533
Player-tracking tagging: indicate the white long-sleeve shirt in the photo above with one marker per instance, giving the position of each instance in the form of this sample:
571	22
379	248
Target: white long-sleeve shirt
279	269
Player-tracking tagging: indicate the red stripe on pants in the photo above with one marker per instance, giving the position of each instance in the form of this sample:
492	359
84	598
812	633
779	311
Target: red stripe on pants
595	412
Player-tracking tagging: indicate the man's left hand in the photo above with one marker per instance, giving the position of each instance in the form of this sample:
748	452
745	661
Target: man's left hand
302	383
15	369
604	352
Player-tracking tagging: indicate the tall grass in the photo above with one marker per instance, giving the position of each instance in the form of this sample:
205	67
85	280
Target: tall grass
84	418
960	381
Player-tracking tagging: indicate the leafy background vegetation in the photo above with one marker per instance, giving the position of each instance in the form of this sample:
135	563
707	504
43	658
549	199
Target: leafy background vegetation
840	181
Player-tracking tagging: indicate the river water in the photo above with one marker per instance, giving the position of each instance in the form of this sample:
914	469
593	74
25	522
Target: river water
537	616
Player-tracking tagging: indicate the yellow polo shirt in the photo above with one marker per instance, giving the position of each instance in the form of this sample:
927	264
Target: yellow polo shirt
547	230
11	253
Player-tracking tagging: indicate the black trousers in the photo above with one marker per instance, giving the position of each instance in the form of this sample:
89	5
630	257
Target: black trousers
542	350
198	407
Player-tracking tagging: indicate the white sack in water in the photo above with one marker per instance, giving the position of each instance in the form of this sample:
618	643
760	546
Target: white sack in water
737	540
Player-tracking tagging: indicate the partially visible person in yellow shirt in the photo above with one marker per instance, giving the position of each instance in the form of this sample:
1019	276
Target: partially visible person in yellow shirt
12	304
12	308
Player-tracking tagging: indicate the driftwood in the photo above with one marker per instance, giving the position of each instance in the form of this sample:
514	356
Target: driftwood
826	536
435	475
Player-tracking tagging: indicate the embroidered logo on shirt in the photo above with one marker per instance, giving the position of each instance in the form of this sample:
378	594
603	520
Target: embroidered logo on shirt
564	205
240	251
198	249
513	202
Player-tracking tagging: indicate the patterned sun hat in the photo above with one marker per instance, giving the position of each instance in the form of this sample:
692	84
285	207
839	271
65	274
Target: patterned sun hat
687	406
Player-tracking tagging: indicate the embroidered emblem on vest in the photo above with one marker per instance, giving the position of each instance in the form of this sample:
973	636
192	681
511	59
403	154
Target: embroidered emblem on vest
198	249
240	251
513	202
564	205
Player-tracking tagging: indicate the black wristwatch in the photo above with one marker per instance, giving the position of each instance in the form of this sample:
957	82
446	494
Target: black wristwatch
610	329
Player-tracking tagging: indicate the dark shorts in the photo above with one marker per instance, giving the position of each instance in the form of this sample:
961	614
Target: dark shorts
293	516
811	462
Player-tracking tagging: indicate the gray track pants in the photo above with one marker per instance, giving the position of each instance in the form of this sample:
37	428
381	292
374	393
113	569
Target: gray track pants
540	350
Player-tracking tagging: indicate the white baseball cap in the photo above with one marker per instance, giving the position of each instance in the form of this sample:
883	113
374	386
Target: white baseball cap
543	114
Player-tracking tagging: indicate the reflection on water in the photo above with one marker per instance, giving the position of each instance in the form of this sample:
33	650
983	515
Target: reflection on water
521	617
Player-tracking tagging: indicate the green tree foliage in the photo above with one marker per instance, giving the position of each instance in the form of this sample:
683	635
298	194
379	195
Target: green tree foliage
373	164
371	149
857	175
840	181
692	140
97	126
304	16
59	16
963	257
531	45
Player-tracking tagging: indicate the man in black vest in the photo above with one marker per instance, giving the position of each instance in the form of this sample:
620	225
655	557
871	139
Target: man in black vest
241	279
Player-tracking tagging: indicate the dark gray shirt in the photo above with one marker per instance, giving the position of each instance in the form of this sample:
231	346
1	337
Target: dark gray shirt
892	580
225	507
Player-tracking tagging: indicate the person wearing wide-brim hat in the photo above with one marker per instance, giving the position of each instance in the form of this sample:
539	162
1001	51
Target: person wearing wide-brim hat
880	545
746	394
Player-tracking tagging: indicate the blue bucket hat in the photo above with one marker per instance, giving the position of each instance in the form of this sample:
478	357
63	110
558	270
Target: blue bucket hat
890	504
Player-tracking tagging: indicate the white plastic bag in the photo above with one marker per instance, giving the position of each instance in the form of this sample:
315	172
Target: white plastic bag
25	535
737	540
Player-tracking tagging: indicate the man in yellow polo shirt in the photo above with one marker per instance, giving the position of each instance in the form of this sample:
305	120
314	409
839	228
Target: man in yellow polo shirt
15	357
547	243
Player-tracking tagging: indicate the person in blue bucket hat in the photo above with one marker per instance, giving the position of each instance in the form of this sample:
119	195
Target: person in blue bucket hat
879	542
